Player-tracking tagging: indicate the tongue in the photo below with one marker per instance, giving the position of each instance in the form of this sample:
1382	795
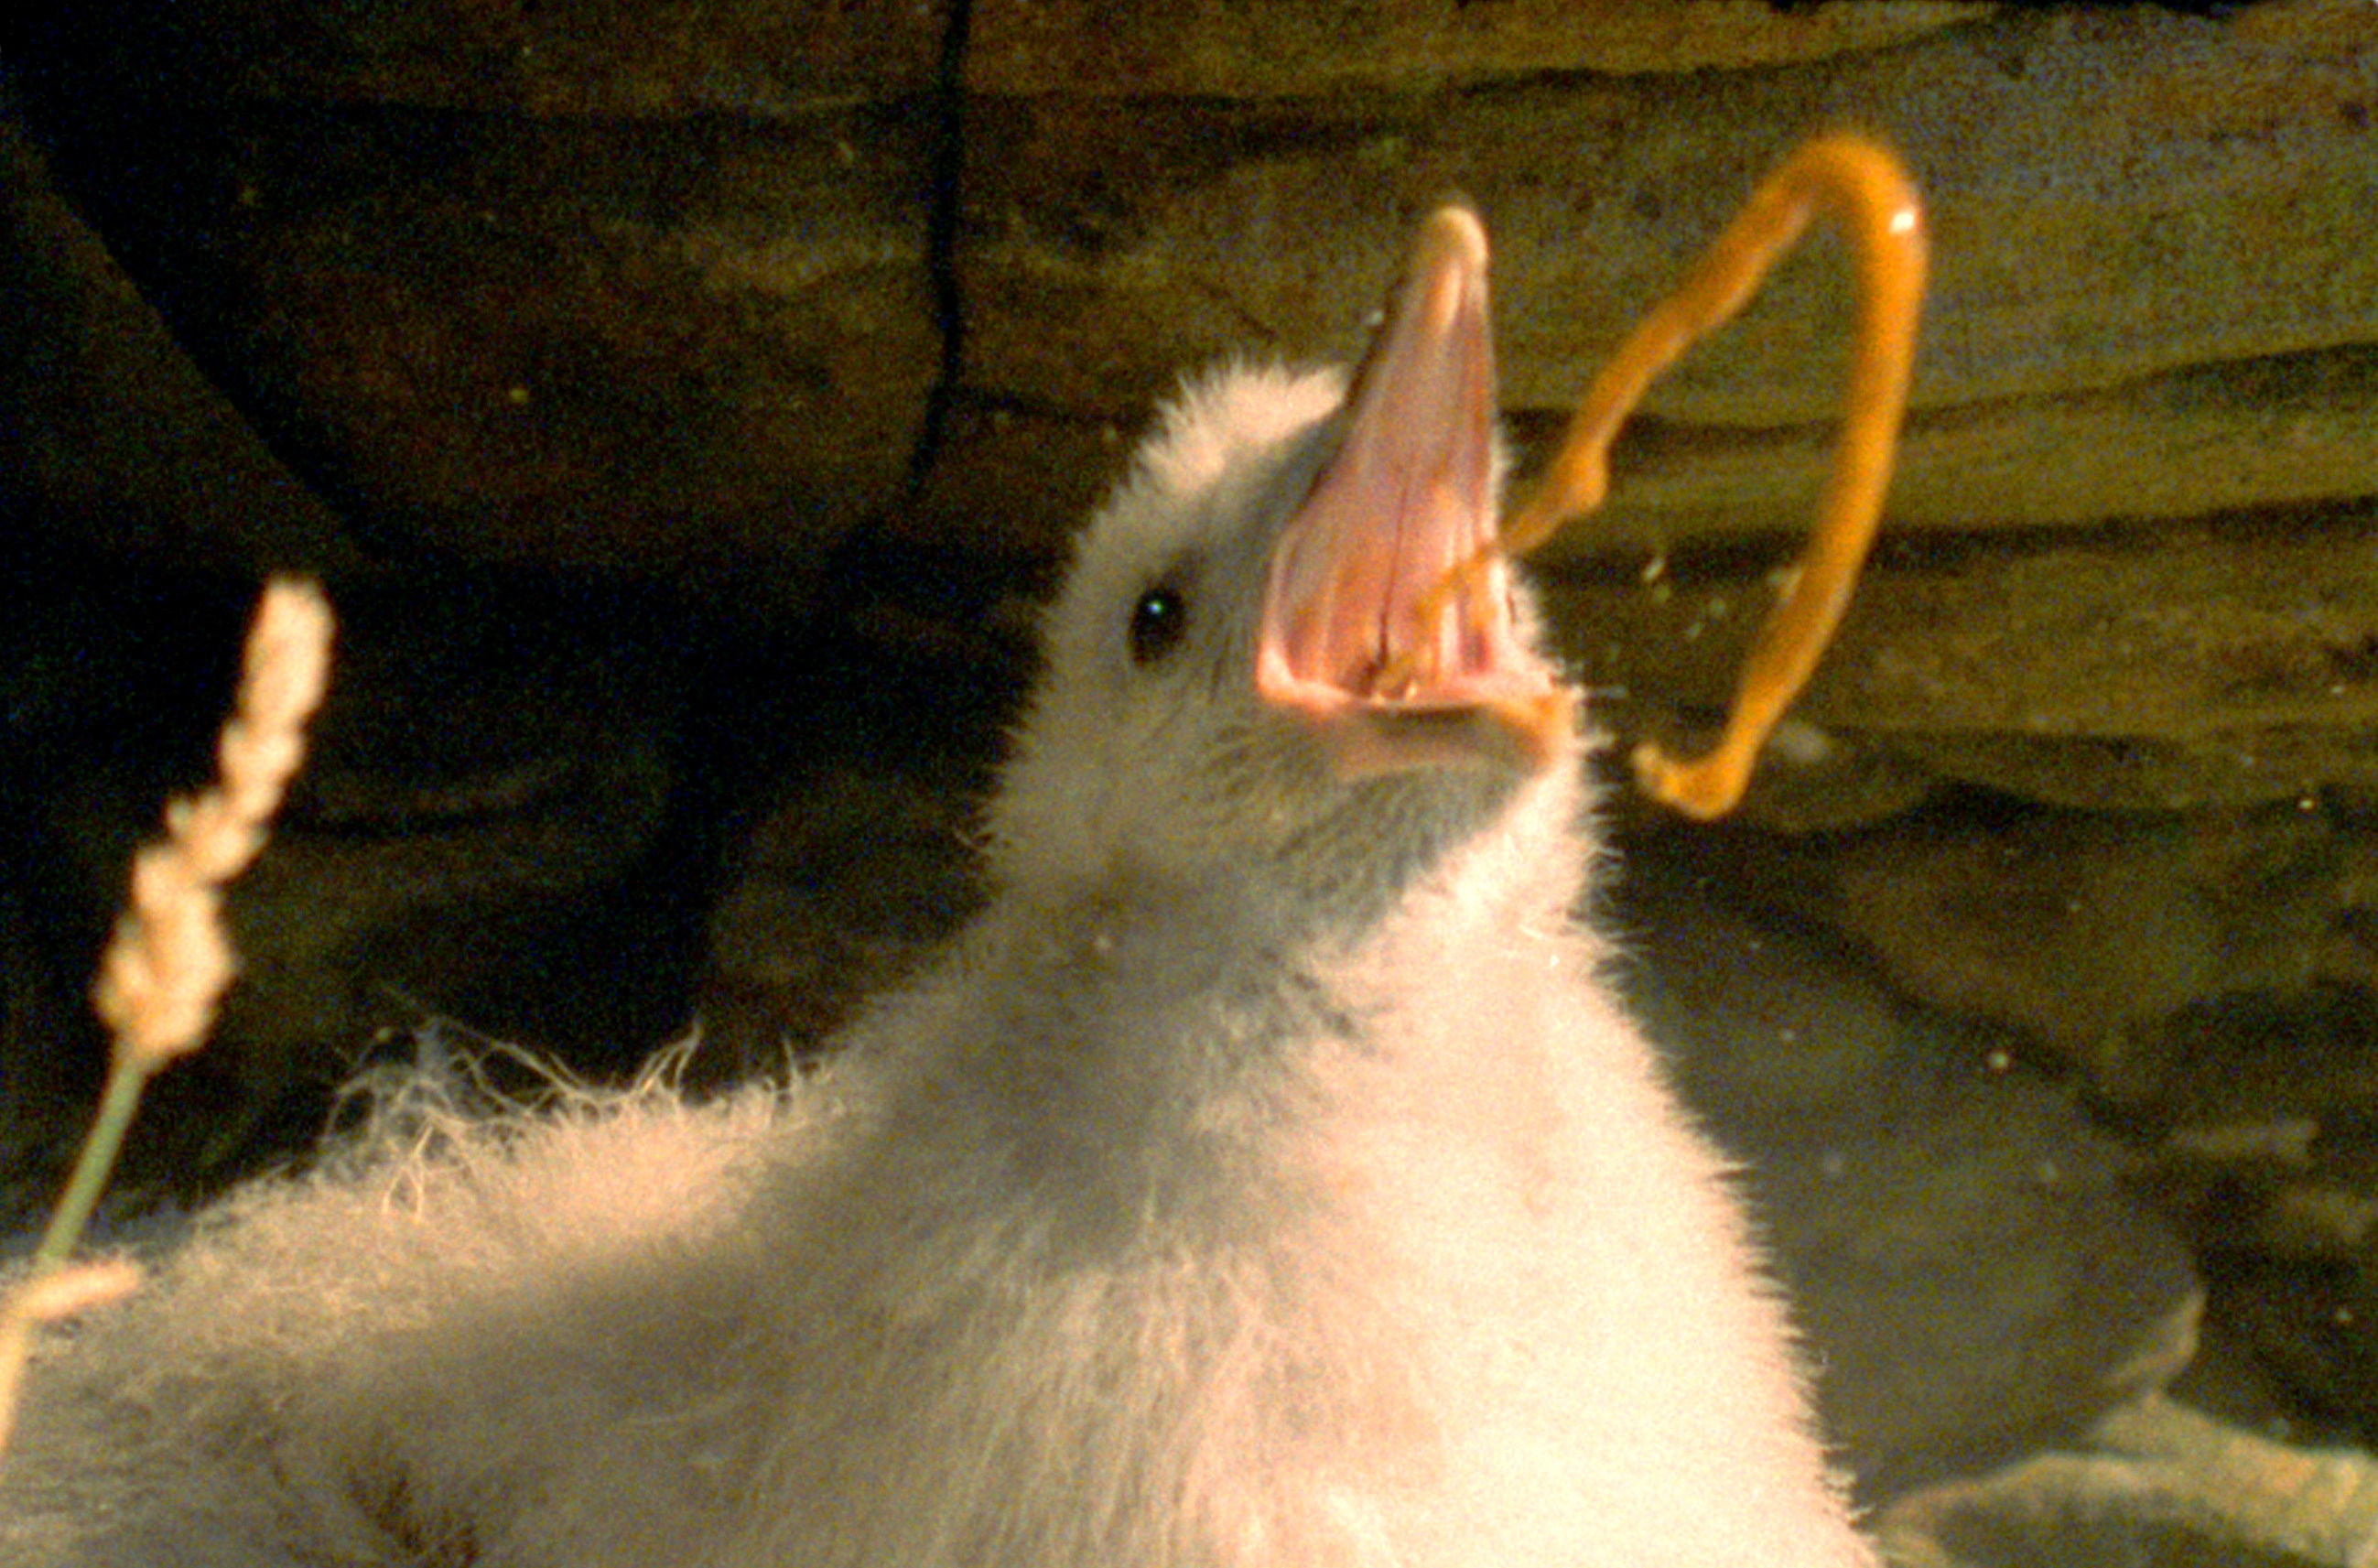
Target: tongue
1386	619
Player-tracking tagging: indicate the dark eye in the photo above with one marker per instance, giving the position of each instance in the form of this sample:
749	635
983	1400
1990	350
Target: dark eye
1158	621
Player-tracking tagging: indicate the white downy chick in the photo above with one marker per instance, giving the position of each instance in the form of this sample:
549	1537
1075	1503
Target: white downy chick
1267	1175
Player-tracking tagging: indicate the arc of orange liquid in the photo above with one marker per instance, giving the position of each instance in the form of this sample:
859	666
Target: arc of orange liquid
1861	189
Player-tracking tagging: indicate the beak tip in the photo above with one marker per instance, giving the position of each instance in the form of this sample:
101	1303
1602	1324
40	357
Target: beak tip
1454	231
1449	250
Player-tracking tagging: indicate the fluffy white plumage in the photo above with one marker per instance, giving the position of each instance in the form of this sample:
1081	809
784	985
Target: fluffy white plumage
1266	1177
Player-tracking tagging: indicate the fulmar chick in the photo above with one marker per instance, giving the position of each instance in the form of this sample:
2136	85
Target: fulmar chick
1266	1177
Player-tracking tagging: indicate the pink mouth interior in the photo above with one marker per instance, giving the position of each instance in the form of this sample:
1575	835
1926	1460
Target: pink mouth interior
1388	596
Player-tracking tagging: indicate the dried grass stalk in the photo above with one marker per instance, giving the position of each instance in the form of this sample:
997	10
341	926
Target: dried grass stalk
170	960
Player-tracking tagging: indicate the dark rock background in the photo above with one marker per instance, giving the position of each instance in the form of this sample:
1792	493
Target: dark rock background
684	405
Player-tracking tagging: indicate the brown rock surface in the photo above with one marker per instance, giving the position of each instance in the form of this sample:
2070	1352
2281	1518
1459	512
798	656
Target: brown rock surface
2114	197
1956	1237
2159	1486
1281	48
112	439
2220	661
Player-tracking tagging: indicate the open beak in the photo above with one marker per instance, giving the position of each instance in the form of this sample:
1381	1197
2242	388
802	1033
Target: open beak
1386	619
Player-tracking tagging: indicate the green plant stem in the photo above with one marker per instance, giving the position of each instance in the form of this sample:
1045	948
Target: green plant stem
117	1102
